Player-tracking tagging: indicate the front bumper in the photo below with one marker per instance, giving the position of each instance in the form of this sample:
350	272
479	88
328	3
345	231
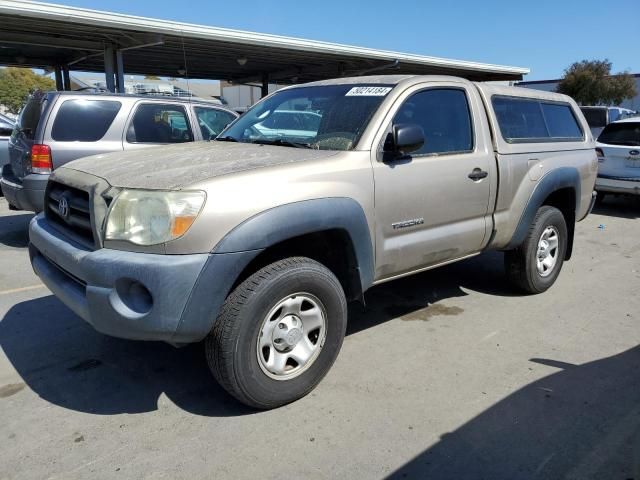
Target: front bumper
140	296
27	194
610	184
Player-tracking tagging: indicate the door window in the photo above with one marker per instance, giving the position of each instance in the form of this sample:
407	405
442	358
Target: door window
212	121
444	115
159	123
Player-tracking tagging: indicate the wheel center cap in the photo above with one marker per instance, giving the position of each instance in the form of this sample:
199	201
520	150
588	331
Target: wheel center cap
287	333
293	336
544	248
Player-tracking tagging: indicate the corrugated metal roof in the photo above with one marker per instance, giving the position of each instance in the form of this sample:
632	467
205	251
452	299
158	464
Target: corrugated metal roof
42	34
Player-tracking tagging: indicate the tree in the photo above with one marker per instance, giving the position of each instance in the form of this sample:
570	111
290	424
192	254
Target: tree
17	83
152	77
590	82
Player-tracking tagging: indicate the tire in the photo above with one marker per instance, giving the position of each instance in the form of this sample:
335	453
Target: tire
255	312
521	264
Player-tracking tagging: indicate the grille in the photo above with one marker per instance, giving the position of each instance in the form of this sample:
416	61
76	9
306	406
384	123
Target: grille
69	209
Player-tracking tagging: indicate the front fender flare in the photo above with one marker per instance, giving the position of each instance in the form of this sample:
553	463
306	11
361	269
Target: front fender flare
246	241
309	216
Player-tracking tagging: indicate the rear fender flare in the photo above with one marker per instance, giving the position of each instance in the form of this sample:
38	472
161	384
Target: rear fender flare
565	177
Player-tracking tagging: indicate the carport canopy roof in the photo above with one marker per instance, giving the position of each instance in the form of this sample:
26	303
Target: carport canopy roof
42	35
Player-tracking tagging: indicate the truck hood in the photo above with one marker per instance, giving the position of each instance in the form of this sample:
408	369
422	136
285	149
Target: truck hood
177	166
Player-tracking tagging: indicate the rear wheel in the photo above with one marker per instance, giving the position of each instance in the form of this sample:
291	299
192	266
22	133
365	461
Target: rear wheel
278	333
534	266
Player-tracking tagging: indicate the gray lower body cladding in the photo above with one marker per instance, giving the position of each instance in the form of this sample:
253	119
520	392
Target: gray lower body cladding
140	296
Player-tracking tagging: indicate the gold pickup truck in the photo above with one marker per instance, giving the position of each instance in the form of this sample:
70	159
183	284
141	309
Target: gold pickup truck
254	242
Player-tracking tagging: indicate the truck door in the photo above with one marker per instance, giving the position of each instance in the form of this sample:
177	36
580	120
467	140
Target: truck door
432	205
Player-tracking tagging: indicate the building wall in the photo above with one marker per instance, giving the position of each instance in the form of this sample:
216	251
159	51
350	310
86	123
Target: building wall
551	85
243	96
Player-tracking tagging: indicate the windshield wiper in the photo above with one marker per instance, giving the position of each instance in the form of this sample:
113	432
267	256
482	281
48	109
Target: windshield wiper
228	138
283	143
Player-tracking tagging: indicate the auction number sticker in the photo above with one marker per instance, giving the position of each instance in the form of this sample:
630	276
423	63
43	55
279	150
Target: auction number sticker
368	92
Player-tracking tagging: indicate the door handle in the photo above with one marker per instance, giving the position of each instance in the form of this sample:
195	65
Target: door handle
478	174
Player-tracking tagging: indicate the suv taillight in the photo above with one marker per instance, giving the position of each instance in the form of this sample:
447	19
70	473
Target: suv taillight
41	159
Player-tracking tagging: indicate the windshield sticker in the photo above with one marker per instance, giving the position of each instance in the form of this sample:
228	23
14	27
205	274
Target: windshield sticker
368	92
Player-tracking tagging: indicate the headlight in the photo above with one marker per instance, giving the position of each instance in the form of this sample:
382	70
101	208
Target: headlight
147	217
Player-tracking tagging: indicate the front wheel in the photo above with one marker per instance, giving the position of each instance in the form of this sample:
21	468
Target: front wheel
278	333
535	265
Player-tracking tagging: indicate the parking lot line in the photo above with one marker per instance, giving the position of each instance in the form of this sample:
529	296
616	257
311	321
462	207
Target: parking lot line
21	289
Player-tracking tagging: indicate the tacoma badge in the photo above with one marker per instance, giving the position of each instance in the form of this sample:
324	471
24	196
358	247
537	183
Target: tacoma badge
408	223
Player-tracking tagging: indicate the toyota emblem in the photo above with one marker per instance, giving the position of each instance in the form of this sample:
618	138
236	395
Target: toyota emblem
634	152
63	207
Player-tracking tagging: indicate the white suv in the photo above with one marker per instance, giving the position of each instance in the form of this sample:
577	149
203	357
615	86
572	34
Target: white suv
618	149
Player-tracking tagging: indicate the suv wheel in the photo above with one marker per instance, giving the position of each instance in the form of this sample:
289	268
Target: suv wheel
278	333
535	265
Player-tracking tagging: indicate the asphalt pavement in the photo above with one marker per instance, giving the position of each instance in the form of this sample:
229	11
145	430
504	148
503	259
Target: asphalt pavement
446	374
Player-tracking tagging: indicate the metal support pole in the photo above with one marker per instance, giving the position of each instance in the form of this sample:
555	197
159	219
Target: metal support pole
265	85
65	77
120	72
109	68
58	73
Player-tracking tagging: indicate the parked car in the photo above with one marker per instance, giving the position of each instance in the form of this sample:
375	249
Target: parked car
295	124
599	117
255	244
618	149
6	127
57	127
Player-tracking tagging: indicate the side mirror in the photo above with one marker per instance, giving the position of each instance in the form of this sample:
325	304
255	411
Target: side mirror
406	138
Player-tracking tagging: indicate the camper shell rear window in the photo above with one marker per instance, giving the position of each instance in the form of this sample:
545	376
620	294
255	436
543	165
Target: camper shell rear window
530	120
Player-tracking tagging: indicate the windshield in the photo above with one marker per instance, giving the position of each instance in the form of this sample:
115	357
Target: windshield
621	134
329	117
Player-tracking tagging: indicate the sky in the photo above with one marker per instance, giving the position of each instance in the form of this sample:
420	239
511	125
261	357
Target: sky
545	36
